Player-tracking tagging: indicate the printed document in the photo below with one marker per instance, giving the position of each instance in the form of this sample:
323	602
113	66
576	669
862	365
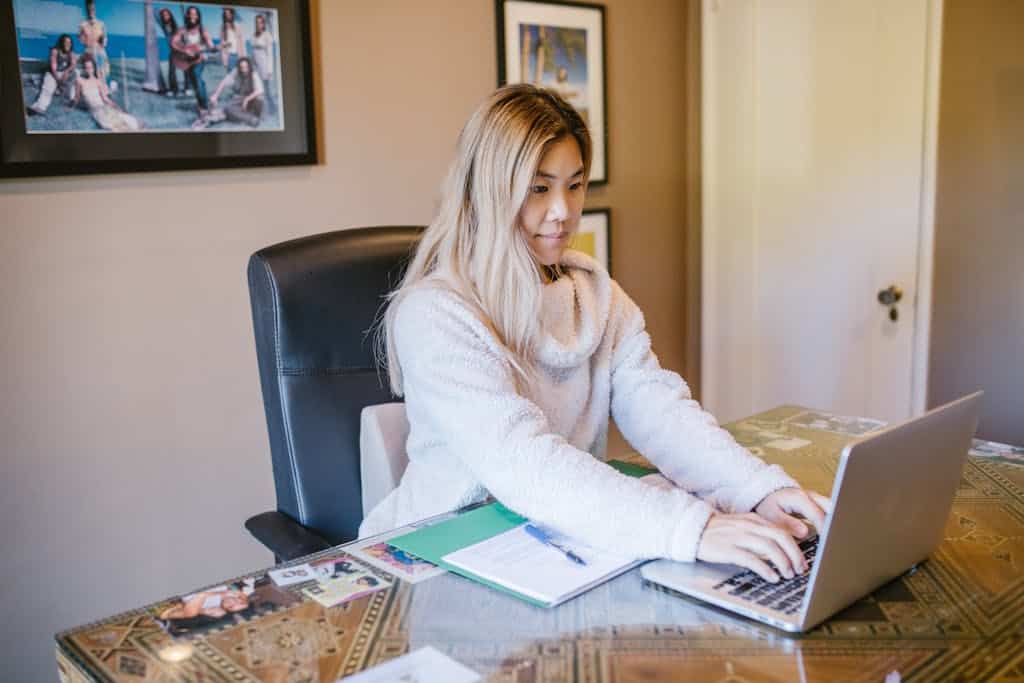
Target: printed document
518	561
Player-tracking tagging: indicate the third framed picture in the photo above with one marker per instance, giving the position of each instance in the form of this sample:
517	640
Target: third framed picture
559	46
595	236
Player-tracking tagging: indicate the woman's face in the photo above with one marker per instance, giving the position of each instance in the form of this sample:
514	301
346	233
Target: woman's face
550	216
192	15
243	67
90	68
235	601
65	44
261	24
165	16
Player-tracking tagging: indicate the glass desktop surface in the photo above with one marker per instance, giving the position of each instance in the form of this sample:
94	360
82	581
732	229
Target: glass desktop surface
959	616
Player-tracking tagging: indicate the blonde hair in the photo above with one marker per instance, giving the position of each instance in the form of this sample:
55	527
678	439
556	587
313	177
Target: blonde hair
473	246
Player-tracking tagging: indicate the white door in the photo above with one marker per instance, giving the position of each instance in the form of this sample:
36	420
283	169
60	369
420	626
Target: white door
817	175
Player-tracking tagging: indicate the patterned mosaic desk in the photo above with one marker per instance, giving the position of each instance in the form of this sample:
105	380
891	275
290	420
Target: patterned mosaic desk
959	617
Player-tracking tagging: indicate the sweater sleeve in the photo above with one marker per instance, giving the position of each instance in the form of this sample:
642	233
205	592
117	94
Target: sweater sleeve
455	377
655	411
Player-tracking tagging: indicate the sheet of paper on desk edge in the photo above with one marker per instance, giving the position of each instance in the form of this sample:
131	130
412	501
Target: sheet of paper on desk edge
521	563
425	665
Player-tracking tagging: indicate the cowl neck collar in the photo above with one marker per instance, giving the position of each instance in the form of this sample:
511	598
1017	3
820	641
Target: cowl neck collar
574	312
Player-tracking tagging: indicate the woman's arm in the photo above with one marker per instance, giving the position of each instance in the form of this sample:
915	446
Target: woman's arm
257	90
187	610
457	381
72	64
655	411
178	41
105	96
53	64
224	82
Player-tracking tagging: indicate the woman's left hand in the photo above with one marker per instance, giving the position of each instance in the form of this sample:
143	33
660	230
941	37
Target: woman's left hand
779	507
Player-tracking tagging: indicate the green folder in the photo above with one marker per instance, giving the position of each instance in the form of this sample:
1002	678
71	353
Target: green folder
434	542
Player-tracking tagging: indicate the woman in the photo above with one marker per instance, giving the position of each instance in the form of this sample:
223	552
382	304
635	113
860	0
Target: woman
232	42
246	92
60	77
511	351
169	25
262	44
93	90
199	611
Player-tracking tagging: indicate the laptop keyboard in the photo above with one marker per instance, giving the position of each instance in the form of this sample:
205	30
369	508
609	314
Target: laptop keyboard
785	596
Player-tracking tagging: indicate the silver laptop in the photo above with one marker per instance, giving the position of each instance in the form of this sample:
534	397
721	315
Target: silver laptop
890	502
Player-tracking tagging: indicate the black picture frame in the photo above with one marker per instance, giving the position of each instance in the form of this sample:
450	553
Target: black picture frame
294	142
597	221
564	15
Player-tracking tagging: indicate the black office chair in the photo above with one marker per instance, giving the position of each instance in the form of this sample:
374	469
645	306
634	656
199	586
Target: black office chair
314	301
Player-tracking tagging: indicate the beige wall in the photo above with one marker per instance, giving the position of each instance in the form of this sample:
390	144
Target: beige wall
134	443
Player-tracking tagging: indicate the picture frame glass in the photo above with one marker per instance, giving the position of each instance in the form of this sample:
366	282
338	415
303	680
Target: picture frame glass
127	85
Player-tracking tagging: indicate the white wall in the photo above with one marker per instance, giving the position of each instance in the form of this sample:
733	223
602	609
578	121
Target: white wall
133	438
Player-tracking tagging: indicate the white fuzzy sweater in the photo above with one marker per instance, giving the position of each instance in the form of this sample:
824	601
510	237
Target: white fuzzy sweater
472	432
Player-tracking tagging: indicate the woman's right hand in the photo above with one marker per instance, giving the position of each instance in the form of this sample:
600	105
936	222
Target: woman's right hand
748	540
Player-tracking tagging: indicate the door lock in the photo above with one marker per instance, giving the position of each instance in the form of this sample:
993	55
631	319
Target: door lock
890	296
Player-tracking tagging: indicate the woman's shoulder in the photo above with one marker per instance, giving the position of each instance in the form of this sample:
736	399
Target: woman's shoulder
430	298
433	308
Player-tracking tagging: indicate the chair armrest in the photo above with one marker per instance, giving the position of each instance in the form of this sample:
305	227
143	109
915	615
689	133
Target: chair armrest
283	536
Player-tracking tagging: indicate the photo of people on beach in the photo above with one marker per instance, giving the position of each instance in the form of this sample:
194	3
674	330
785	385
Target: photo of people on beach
135	66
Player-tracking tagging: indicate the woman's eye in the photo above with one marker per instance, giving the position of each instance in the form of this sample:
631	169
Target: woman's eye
575	186
539	189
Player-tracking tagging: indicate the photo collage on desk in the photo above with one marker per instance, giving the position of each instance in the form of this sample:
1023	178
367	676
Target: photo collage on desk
336	579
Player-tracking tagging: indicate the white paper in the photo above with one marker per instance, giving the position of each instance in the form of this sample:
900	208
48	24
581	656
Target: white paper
520	562
290	575
425	665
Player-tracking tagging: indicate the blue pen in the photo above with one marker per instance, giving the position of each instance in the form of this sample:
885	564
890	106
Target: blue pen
541	536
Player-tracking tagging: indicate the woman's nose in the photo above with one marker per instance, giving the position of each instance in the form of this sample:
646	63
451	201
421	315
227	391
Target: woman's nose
558	210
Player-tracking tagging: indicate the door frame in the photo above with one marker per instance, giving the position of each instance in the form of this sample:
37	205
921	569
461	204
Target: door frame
926	229
710	234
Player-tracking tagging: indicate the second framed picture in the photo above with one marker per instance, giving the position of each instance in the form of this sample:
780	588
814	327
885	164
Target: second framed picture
559	46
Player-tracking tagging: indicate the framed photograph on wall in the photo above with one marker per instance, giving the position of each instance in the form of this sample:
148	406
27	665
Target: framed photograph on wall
595	236
92	86
560	46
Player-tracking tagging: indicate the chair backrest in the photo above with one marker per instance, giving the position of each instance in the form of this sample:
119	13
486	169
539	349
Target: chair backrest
314	303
